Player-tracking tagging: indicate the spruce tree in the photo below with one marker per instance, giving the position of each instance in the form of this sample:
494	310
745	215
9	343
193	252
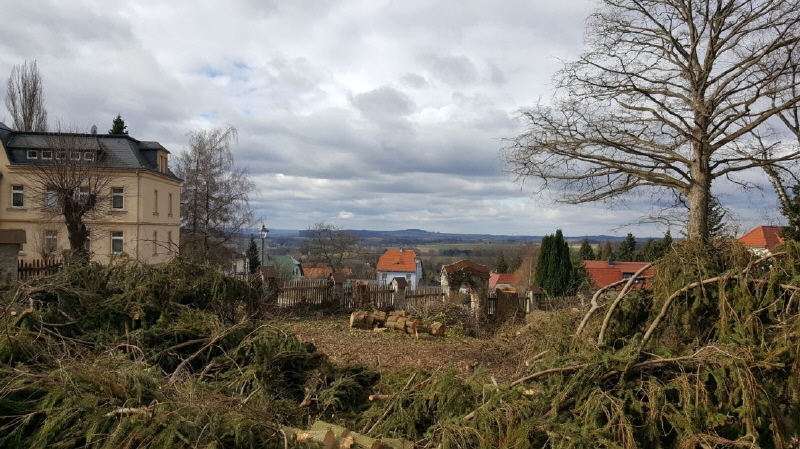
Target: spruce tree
118	126
252	255
627	250
587	251
716	218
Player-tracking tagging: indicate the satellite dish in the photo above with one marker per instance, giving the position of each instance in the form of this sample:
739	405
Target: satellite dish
94	129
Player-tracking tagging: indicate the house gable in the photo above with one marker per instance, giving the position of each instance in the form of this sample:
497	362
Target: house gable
763	237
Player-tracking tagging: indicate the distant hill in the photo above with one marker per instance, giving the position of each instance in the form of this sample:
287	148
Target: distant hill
420	236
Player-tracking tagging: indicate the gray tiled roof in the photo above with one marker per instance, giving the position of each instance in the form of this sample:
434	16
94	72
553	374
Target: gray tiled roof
121	151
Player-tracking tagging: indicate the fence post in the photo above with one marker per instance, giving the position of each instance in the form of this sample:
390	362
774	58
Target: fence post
399	296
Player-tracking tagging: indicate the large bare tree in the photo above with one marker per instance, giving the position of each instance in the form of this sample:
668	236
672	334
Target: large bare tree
25	98
214	196
665	98
330	244
70	180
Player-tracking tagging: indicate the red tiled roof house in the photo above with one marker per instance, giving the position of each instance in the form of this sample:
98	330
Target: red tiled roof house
763	239
399	263
606	272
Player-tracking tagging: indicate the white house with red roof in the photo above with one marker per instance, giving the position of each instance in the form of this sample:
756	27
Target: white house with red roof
763	239
399	263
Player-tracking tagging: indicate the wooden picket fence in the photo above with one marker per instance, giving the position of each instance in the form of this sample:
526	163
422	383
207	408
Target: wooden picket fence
307	292
351	295
37	268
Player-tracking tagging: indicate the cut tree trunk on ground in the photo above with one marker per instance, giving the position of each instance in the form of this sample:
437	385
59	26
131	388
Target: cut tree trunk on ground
397	320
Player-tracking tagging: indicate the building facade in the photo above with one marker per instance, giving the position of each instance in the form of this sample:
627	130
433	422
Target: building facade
137	215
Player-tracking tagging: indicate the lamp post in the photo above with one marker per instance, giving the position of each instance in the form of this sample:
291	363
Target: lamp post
263	232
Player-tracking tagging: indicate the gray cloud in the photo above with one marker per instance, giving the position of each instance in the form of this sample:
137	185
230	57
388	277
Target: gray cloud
381	115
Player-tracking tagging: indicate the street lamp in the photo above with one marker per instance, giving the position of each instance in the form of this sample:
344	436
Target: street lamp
263	232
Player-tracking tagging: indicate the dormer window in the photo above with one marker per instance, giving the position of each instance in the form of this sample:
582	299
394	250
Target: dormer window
75	155
61	154
88	156
47	154
33	154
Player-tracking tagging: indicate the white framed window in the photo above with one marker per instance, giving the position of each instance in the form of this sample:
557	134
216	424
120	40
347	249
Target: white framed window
50	198
50	241
117	198
83	195
116	242
47	154
33	154
88	156
61	154
75	155
17	196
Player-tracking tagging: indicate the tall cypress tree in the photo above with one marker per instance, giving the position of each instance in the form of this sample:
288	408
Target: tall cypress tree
252	255
544	263
554	271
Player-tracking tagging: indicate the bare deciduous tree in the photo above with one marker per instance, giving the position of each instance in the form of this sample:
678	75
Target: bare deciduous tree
329	243
665	98
214	196
25	98
70	179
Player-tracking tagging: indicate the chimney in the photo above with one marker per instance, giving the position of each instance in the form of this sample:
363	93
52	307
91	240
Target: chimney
610	260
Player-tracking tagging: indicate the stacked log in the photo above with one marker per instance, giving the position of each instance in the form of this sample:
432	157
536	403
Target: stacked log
397	320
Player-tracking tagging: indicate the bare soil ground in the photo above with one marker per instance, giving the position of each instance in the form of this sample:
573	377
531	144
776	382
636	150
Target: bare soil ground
502	354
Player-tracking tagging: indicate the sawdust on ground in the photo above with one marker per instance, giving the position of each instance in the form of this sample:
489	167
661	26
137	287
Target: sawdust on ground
502	354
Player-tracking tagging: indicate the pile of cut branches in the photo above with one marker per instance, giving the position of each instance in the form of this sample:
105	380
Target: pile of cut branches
708	358
136	356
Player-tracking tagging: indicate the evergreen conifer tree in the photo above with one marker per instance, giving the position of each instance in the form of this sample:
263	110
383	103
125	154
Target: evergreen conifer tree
627	250
554	273
118	126
252	255
716	218
587	251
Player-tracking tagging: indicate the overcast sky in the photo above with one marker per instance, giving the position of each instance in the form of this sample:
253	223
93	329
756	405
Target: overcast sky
365	114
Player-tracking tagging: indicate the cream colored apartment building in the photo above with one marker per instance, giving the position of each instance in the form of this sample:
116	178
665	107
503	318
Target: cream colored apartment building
140	221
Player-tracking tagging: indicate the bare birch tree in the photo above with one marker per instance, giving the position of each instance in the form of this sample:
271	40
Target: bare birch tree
665	98
327	242
25	98
214	196
70	180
